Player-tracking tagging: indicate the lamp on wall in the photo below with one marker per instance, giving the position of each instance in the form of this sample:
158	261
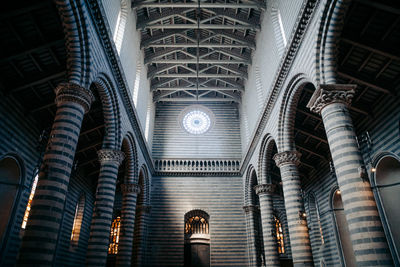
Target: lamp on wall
302	214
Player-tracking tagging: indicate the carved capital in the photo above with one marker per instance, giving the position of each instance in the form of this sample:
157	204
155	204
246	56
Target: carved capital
70	92
130	188
287	157
264	189
250	208
331	93
110	155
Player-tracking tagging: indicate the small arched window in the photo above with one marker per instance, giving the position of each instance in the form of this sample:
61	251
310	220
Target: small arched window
114	236
28	206
279	236
78	218
196	225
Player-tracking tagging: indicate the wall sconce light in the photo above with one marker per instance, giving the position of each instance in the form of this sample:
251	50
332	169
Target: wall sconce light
373	169
338	192
302	214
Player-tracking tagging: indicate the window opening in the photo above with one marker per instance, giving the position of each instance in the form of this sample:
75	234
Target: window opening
76	226
114	236
279	236
196	225
28	206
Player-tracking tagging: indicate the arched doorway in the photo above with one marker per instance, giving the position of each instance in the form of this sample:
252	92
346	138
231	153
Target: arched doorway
197	239
387	182
10	180
343	234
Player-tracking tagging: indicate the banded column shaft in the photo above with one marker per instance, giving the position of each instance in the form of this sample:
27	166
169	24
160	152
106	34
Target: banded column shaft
41	233
264	193
366	232
129	197
140	242
103	207
250	211
298	230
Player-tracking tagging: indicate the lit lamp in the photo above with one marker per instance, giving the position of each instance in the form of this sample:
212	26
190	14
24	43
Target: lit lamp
302	214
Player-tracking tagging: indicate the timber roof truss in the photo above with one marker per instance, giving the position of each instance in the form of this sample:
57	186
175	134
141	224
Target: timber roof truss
198	50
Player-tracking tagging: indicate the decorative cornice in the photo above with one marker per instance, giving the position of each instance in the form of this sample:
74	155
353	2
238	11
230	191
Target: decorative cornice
102	28
264	189
110	155
287	157
297	35
331	93
130	188
251	208
71	92
197	174
212	167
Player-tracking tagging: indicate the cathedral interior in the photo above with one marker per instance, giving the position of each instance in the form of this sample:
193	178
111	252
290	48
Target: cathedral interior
200	133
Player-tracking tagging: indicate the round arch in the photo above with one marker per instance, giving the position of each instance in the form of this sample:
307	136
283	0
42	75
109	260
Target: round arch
74	19
330	28
287	112
12	178
386	185
111	112
250	182
342	232
264	159
144	183
131	159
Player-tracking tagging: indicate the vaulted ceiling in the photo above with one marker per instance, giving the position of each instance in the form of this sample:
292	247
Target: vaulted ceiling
198	50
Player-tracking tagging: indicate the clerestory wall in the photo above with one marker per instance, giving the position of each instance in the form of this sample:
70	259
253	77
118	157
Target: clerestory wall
222	141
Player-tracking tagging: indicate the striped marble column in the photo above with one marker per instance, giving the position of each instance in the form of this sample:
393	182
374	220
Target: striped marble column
129	197
250	211
366	232
264	193
41	233
298	230
140	243
103	207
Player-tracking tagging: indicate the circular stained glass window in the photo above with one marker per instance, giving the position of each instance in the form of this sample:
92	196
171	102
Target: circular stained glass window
196	121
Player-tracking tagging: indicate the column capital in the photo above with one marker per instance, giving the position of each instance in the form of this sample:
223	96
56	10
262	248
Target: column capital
287	157
250	208
130	188
110	155
265	189
331	93
74	93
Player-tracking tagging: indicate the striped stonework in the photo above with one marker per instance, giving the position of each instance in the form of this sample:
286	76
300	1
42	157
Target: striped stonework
129	197
264	193
140	242
103	207
298	230
250	213
41	233
366	232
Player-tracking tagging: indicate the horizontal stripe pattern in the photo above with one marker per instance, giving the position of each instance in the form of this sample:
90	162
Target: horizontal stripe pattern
366	232
298	230
102	215
41	233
